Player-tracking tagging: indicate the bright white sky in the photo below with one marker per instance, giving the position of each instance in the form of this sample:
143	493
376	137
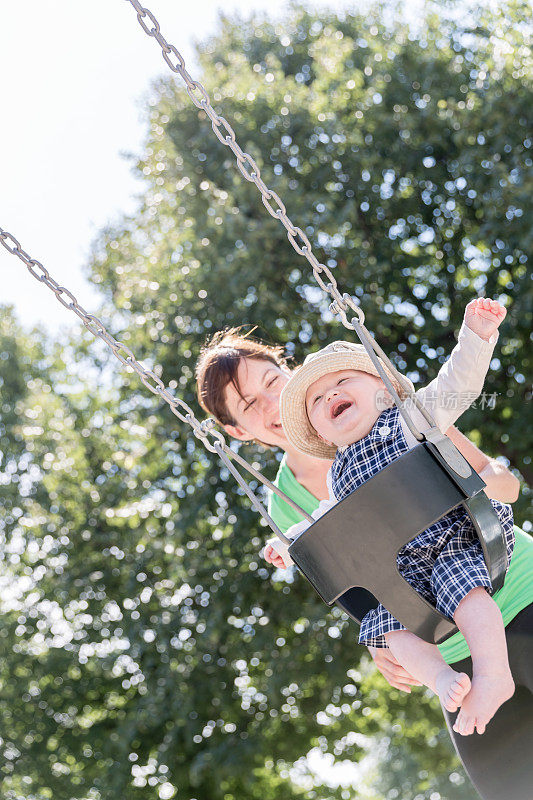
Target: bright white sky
74	75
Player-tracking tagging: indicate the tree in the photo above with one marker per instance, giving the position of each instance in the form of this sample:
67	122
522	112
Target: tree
150	645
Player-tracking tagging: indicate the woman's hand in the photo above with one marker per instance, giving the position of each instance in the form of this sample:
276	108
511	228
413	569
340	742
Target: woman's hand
501	483
273	557
392	671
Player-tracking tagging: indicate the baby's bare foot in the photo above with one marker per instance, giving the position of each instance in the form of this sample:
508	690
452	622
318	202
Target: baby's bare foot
487	694
452	688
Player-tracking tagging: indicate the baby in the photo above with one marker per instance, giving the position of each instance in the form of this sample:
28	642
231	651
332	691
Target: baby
332	408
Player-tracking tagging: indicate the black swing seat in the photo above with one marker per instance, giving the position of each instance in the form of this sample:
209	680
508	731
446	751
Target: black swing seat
349	554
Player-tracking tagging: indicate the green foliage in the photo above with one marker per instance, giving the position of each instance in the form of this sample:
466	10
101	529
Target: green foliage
147	643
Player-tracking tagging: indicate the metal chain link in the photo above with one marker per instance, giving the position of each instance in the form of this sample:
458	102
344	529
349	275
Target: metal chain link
202	430
341	303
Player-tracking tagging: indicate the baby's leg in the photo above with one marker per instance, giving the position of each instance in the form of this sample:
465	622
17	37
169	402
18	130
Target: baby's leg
424	662
480	621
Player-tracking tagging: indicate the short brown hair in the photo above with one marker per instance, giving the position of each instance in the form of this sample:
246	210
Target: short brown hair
218	364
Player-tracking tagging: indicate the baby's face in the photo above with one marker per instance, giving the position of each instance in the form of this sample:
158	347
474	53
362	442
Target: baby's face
342	406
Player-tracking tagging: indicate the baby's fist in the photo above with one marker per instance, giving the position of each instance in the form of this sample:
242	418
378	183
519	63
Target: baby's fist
484	316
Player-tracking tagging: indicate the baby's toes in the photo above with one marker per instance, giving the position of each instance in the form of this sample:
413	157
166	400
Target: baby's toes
464	724
451	701
462	682
457	727
454	694
459	723
469	726
459	689
480	726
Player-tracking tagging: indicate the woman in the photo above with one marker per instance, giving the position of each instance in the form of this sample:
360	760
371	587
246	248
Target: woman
239	382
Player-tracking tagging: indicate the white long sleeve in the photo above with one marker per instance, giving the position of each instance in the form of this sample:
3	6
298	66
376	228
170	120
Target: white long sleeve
458	383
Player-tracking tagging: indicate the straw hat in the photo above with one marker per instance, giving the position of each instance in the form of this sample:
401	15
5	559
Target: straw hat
336	356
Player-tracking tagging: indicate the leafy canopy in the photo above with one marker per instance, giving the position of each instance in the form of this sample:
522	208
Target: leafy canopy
151	649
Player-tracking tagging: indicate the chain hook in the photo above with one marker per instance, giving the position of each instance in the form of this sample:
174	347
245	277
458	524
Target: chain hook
342	311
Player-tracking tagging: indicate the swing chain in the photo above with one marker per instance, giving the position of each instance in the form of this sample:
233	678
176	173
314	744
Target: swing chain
342	310
296	236
202	430
247	166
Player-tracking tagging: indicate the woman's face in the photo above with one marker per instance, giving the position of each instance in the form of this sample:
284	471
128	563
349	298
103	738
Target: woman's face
257	415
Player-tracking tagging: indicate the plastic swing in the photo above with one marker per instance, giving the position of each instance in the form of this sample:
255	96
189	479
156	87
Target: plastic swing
349	554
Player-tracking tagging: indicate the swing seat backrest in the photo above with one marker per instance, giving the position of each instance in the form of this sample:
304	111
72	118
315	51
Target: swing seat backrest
349	554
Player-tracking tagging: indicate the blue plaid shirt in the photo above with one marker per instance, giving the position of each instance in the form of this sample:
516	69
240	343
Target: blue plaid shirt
444	562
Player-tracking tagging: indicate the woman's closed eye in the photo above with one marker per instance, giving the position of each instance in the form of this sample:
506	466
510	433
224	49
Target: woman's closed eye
250	403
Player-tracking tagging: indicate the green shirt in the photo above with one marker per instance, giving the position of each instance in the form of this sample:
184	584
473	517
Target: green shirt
516	594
